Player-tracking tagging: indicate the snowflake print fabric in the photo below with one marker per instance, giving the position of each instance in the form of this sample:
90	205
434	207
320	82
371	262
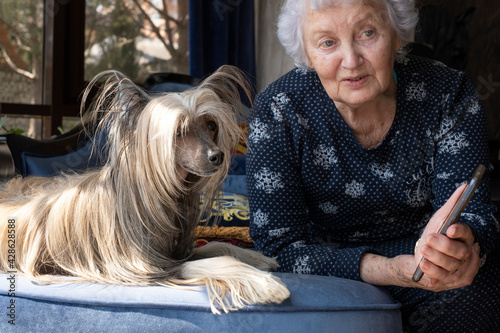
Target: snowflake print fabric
319	201
325	157
301	265
260	219
328	208
416	91
354	189
259	131
267	180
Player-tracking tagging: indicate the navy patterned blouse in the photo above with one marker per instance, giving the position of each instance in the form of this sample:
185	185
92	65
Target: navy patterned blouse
319	200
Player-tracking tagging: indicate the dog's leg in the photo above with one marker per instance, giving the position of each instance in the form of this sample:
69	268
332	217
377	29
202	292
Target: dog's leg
253	258
232	284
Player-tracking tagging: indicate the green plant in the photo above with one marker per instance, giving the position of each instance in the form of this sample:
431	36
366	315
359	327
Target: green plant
62	131
11	130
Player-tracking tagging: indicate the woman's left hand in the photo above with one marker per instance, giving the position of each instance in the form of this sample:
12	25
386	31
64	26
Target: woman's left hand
452	261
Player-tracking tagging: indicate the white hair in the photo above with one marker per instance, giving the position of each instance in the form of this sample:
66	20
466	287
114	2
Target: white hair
402	14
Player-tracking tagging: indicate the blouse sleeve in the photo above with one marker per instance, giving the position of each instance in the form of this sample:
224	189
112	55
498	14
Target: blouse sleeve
461	145
279	223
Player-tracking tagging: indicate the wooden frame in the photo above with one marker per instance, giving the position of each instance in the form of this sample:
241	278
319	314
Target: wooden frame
63	79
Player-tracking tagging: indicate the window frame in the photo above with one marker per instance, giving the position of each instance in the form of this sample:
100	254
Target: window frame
63	66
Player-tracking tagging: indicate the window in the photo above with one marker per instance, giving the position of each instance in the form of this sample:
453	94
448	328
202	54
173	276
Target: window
136	37
50	48
21	43
21	60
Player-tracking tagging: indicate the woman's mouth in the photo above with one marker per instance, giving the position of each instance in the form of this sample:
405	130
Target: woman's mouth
355	82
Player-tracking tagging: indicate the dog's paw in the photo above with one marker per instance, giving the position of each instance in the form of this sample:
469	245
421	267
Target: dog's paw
267	288
260	261
251	286
250	257
232	284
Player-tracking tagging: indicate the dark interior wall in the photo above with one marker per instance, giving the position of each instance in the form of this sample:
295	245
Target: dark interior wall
483	67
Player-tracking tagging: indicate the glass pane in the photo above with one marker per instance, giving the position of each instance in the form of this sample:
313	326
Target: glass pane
29	126
136	37
68	124
21	51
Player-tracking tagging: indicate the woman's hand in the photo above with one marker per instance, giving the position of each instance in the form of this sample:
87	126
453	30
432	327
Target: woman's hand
452	261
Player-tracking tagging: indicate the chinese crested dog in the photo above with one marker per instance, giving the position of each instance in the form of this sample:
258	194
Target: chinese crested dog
133	221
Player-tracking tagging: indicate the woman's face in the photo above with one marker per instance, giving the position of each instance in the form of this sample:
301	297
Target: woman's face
351	47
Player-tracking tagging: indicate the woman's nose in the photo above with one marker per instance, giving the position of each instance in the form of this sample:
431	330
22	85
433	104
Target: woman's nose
351	57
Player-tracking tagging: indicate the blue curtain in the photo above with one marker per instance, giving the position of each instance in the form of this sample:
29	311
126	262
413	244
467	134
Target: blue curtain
221	32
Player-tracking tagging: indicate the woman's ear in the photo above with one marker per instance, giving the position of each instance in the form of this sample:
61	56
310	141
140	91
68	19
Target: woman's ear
309	62
398	43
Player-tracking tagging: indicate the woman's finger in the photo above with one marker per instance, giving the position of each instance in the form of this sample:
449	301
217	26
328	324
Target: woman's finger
450	247
461	232
433	271
448	263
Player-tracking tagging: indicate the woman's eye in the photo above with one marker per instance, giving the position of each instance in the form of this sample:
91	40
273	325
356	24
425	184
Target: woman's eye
212	126
327	43
368	33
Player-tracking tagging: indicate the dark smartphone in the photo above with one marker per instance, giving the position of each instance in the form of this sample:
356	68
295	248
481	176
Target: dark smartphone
457	210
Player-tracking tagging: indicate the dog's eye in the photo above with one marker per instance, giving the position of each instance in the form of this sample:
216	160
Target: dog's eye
179	132
212	126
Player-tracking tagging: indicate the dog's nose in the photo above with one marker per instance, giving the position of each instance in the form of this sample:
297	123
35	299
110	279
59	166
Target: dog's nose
216	157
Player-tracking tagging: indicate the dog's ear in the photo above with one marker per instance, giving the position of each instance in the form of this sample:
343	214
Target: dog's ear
117	94
229	83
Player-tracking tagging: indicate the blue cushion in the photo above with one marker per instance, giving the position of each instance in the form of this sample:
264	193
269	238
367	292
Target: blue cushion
87	155
238	165
50	165
170	87
236	182
317	303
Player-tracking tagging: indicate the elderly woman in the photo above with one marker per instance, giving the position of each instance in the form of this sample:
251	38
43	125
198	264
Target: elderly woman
358	153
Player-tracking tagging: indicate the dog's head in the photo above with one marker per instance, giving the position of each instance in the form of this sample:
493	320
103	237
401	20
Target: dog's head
196	149
199	127
180	140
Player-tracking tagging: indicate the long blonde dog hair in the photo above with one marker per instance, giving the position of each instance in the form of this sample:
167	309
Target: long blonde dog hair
134	220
